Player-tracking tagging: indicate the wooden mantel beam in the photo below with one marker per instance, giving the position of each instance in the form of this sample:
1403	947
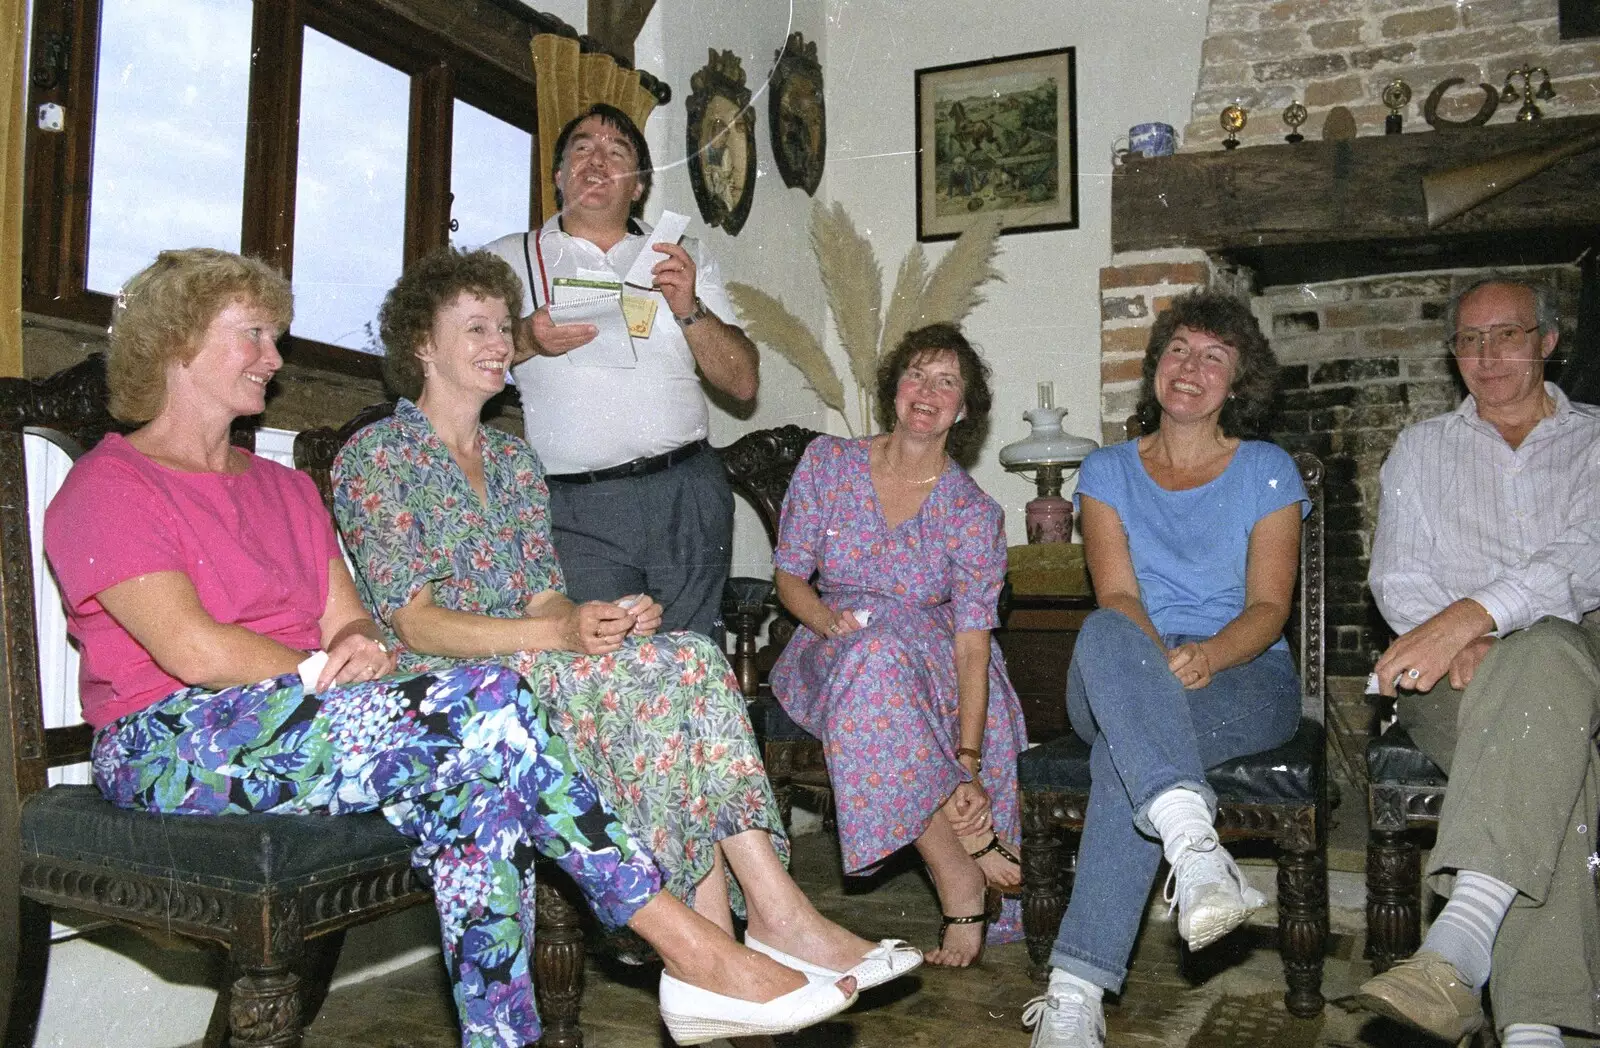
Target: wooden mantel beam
616	23
1326	210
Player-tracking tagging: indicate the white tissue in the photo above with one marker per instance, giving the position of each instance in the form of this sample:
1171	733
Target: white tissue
862	615
311	669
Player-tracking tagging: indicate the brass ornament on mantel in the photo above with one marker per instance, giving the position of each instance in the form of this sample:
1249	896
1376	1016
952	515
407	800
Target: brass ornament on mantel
721	142
1293	116
1395	95
1233	119
1529	111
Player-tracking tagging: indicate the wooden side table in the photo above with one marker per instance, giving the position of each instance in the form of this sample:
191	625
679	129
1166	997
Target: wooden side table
1036	635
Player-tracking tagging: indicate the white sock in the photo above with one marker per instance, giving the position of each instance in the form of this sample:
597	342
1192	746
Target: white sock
1530	1035
1465	929
1180	816
1066	980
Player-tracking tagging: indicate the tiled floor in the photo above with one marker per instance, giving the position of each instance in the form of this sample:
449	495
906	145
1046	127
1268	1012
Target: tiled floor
1229	995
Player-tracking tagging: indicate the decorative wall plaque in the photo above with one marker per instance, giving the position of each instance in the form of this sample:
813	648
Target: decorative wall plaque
797	115
722	142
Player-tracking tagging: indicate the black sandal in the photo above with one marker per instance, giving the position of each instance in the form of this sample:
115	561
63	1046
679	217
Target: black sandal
994	845
991	911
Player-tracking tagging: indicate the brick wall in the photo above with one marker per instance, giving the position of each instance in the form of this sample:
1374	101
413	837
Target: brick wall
1264	54
1133	291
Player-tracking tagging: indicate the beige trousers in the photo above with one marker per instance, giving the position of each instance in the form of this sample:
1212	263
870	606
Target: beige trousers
1519	746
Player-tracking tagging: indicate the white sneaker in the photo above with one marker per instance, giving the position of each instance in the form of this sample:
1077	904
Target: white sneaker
1065	1017
1208	891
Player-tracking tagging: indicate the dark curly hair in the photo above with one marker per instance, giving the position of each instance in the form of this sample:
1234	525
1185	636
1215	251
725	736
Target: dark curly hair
931	341
616	119
406	318
1229	320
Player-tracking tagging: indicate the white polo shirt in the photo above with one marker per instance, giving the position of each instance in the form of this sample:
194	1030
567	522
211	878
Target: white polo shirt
581	418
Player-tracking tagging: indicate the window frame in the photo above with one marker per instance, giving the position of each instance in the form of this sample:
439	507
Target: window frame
485	71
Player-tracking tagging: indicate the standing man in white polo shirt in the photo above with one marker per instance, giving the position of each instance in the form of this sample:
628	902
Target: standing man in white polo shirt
639	502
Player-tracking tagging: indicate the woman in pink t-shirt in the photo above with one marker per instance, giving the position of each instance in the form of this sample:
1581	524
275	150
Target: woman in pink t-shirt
198	578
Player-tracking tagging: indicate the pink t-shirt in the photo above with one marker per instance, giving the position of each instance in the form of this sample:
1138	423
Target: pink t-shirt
256	546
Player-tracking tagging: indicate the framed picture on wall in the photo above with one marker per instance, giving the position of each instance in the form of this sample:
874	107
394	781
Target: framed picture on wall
998	135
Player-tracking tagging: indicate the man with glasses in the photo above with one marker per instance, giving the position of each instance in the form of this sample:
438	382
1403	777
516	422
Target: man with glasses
638	504
1485	561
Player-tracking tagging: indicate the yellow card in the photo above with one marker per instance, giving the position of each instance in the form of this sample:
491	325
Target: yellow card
640	313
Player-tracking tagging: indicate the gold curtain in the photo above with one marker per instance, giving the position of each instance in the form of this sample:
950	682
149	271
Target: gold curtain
567	82
13	80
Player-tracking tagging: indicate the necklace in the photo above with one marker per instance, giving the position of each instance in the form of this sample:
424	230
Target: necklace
897	475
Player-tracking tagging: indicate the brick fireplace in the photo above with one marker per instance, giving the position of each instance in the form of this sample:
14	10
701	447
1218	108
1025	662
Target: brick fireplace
1330	244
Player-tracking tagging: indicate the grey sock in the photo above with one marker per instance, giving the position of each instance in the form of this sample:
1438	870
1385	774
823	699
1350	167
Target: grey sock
1530	1035
1464	931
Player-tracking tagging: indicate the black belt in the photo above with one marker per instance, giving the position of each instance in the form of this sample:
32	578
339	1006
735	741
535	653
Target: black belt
640	467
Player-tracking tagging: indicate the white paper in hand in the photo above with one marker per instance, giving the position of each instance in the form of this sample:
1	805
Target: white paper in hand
311	669
863	616
667	231
585	300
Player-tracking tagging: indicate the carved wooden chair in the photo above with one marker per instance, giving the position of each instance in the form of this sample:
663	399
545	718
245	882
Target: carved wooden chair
1280	796
1405	792
558	952
759	466
276	892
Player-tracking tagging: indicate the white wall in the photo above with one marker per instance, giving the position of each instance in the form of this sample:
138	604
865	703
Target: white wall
1135	62
773	250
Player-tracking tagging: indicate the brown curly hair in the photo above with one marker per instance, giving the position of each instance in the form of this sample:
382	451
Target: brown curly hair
966	436
1249	405
405	320
161	315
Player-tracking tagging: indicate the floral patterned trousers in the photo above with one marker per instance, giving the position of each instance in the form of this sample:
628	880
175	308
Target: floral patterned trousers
462	760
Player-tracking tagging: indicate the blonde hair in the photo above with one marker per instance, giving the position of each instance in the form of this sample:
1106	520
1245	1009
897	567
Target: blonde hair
161	315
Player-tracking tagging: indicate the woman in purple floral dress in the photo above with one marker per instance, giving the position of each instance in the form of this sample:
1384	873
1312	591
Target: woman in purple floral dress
893	667
447	521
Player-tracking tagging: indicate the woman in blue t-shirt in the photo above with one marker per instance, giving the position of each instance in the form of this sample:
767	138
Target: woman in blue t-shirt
1192	536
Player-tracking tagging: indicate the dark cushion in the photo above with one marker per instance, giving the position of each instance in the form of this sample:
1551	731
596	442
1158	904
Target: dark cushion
1393	758
1285	775
233	852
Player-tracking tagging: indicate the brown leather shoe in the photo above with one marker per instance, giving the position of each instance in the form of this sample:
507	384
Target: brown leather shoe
1424	991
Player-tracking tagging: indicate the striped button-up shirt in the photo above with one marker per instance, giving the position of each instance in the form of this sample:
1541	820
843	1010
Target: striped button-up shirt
1463	515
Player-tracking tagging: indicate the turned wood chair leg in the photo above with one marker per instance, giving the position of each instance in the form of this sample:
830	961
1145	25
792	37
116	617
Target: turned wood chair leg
1303	927
557	967
1046	887
264	1008
22	969
1394	897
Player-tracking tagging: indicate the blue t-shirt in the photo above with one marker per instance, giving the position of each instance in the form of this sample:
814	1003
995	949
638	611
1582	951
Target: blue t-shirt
1189	547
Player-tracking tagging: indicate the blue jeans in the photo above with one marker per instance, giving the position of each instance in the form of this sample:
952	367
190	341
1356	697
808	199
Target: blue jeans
1148	735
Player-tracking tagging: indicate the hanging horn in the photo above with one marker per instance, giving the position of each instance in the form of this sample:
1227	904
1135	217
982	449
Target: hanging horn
1460	189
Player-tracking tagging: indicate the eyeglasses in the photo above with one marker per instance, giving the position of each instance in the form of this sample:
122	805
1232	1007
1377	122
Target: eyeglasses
1473	340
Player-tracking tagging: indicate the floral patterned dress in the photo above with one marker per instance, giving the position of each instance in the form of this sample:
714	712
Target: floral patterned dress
883	699
660	725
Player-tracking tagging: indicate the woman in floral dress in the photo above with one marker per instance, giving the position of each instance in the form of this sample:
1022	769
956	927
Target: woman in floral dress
447	521
197	579
893	667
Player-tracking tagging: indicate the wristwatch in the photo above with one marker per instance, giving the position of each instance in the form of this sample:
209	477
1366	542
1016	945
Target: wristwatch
700	313
968	751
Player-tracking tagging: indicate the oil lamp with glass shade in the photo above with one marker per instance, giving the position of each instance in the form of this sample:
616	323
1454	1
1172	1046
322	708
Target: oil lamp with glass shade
1049	452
